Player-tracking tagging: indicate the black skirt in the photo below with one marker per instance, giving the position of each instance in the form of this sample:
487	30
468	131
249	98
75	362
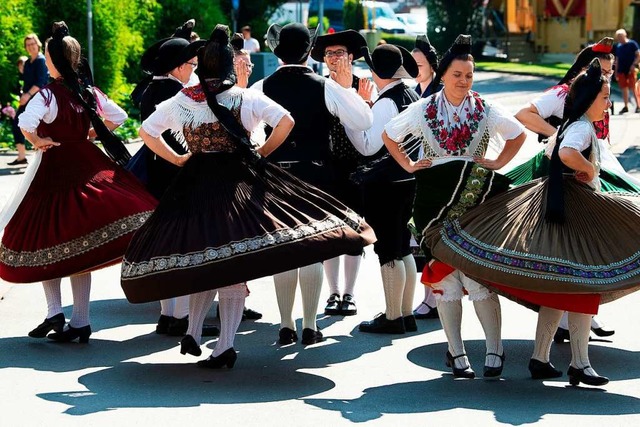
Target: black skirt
225	221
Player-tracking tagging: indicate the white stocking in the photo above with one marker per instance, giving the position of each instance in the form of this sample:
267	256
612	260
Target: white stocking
81	290
181	307
409	285
332	271
231	303
393	279
489	314
548	319
285	284
579	329
53	296
310	287
450	313
199	305
351	268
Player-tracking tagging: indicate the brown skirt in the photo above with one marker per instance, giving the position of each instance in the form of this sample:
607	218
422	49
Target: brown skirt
507	241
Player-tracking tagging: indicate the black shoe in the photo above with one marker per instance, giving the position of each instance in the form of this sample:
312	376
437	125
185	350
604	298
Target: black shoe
70	333
603	332
492	372
189	345
287	336
561	335
163	324
309	336
637	110
228	359
381	325
431	314
333	305
542	371
53	323
178	328
348	306
248	314
577	376
624	110
410	324
459	372
18	162
210	331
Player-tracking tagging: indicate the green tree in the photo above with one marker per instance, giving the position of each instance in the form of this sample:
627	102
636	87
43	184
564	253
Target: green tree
254	13
174	13
448	18
15	23
353	15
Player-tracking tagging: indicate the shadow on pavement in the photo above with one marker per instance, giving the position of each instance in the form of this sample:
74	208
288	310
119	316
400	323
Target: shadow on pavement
533	399
630	159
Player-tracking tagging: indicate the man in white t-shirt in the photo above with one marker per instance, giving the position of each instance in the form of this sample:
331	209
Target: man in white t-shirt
250	44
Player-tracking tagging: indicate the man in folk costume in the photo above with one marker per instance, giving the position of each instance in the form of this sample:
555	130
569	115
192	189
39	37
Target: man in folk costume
330	49
169	64
388	191
306	153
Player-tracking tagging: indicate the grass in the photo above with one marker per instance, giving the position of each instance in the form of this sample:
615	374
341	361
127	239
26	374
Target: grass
556	71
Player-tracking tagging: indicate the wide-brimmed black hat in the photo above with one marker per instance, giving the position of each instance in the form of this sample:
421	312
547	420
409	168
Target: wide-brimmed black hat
424	45
351	39
291	43
170	52
389	61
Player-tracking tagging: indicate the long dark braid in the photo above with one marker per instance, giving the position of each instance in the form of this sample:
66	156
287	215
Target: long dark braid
79	82
215	70
583	92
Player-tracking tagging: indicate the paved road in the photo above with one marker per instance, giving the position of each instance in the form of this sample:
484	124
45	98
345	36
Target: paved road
128	375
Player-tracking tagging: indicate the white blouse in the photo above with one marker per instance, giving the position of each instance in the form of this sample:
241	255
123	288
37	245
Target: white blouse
551	102
181	110
37	111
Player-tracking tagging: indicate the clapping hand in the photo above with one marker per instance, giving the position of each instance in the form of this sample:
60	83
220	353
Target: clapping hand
343	75
365	89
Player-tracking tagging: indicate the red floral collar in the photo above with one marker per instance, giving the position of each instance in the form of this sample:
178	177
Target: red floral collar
195	92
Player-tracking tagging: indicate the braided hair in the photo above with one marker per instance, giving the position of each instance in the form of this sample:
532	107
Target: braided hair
65	53
584	90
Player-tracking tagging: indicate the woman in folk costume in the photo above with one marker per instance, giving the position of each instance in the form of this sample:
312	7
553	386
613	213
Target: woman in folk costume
543	116
454	132
75	209
229	217
558	242
426	57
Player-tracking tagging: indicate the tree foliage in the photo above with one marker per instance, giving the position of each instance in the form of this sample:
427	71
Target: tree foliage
353	15
253	13
448	18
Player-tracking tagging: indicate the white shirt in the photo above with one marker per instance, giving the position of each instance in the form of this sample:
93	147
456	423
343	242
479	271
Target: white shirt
343	103
180	111
370	141
252	45
551	102
37	111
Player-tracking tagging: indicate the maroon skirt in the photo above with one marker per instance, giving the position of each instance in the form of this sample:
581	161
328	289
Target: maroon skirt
78	215
224	221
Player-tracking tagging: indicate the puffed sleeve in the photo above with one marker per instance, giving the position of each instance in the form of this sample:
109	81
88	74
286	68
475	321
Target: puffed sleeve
257	107
506	125
162	119
108	109
551	102
37	111
578	136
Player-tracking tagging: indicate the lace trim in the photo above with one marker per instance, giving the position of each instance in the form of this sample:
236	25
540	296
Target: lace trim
74	247
536	266
131	270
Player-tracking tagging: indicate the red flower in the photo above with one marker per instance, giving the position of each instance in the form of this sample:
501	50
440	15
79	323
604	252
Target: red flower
431	111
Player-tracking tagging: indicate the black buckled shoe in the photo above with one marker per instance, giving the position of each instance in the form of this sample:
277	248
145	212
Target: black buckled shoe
577	376
465	372
189	345
410	324
287	336
491	371
603	332
228	359
561	335
333	305
309	336
542	371
163	324
70	333
348	306
53	323
381	325
248	314
431	314
178	327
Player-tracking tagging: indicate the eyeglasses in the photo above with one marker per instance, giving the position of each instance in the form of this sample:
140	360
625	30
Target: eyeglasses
607	73
336	53
193	64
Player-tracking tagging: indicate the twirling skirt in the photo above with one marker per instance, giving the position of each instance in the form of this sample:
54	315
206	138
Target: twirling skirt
223	222
78	215
506	243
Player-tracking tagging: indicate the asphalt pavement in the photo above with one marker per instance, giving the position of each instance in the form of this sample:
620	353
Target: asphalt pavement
128	375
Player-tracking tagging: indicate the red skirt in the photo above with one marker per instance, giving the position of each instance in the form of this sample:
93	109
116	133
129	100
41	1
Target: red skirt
78	215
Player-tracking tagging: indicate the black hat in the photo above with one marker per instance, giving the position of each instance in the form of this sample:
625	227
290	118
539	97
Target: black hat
427	49
389	61
291	43
584	90
351	39
461	46
171	52
586	55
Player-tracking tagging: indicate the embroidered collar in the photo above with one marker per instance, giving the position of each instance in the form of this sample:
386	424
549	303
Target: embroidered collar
195	92
454	133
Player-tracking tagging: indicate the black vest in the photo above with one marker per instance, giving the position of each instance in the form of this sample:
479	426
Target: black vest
301	92
381	165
